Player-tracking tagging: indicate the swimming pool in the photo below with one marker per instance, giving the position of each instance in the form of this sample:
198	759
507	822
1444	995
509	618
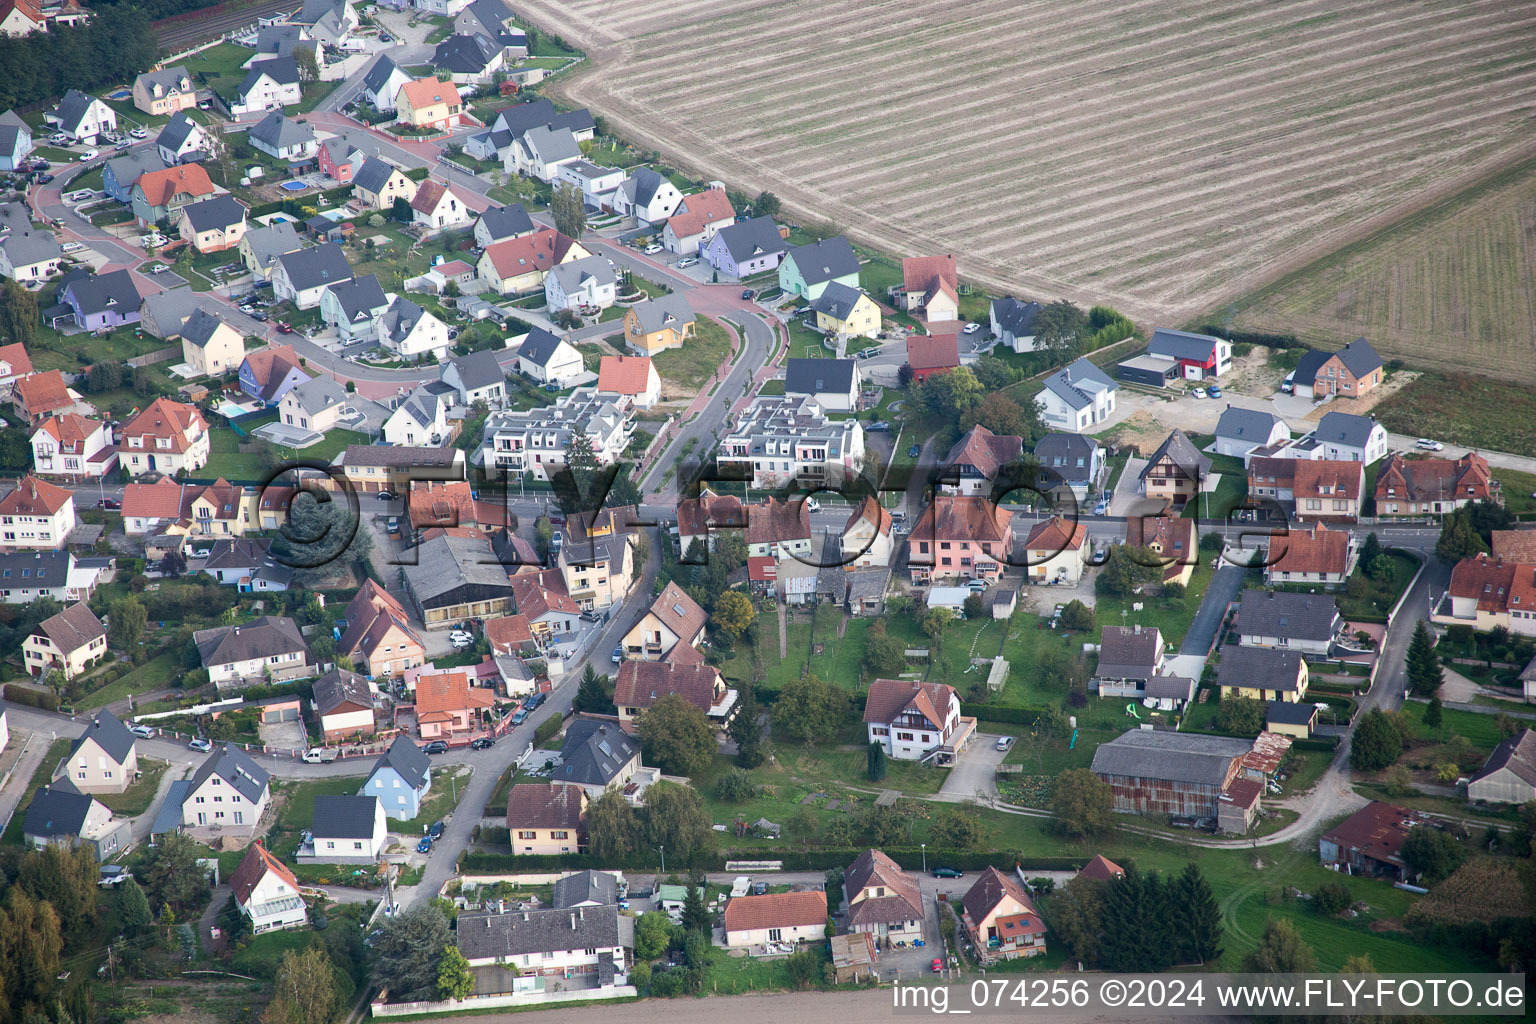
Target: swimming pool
294	186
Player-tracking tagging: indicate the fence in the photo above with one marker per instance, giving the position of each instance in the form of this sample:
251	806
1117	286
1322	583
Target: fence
163	355
531	999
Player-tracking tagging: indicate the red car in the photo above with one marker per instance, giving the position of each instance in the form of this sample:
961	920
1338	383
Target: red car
283	328
938	965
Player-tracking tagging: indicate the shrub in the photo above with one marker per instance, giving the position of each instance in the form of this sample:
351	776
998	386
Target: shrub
31	698
1331	898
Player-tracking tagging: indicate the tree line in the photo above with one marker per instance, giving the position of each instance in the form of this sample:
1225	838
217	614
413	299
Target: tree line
114	46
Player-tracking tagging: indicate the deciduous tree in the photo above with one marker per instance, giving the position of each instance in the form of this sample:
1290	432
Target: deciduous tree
305	990
676	737
127	622
569	210
1081	803
1281	950
454	980
808	710
675	818
613	829
732	613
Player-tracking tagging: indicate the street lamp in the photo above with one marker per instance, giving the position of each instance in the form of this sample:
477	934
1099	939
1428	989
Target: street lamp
924	847
663	851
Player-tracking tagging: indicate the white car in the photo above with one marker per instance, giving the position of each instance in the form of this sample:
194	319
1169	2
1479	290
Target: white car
1004	742
1198	393
144	732
971	328
1428	445
652	250
71	247
812	504
159	268
79	195
685	263
459	638
139	133
90	154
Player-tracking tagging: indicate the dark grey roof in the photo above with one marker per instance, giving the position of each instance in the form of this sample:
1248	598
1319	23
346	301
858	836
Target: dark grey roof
374	174
24	248
219	212
1016	316
1184	454
10	134
1171	687
201	325
345	817
1359	358
508	221
1061	452
541	113
56	811
268	243
408	760
1258	668
1170	756
824	260
168	817
446	564
1246	424
644	183
378	75
260	638
170	78
670	310
236	768
1126	652
1307	366
1181	345
1517	753
867	583
1289	712
1070	383
360	297
597	887
817	376
46	570
280	39
338	687
1345	428
311	268
539	346
278	131
282	70
594	752
747	239
485	935
314	10
134	164
552	144
1287	614
400	319
237	552
837	300
466	55
72	108
176	131
110	734
106	291
479	369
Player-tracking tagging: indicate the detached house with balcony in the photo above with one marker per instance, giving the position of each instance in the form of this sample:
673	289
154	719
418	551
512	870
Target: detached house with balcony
164	92
344	705
833	383
1000	919
1318	555
301	277
428	103
673	618
36	516
866	541
83	118
267	893
917	721
806	270
958	537
633	377
447	704
1488	593
353	307
1176	471
1432	487
209	346
379	637
166	437
883	900
39	396
1262	673
436	208
104	758
60	814
269	85
1320	490
72	641
656	325
696	221
182	140
269	649
580	284
1240	431
1056	551
1071	465
640	684
1308	623
229	790
972	465
102	301
517	266
213	226
73	449
1352	372
930	287
1346	437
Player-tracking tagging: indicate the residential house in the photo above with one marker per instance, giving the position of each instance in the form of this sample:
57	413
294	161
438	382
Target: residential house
1013	322
517	266
456	578
301	277
437	208
282	139
83	118
779	440
329	21
1487	593
500	223
1351	372
841	310
260	247
1071	466
1417	487
321	404
587	889
1296	720
1321	490
38	396
542	602
378	183
698	217
547	818
866	540
182	140
1176	471
29	257
1197	356
1170	540
269	85
166	91
103	300
750	247
549	359
1318	555
103	759
598	755
1000	919
1240	431
806	270
266	649
583	284
959	537
931	354
1370	841
379	637
270	373
468	59
494	19
1158	771
777	532
245	563
228	789
647	197
698	518
1077	397
370	468
930	287
166	437
14	364
597	559
422	418
582	947
833	383
164	314
541	153
273	41
673	618
72	448
596	183
975	461
509	635
640	684
344	705
1262	673
1056	551
213	226
353	307
15	140
477	377
346	830
783	918
60	814
72	642
36	516
917	721
1344	436
161	196
656	325
401	779
1130	657
149	507
428	103
411	332
1509	774
26	576
21	18
209	346
632	377
267	893
884	901
382	84
1309	623
123	172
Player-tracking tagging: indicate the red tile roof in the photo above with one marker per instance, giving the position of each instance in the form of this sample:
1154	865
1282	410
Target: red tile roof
546	805
165	418
679	612
624	375
538	251
159	500
889	697
640	684
534	600
1515	546
774	520
983	897
441	694
1101	869
933	351
698	211
775	910
929	275
696	515
427	92
428	195
507	633
16	356
985	450
257	861
44	392
1497	584
1328	479
904	901
1056	535
1312	551
71	430
272	361
966	518
877	514
184	179
1463	479
34	497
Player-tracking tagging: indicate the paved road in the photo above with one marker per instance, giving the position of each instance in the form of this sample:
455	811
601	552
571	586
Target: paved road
1225	587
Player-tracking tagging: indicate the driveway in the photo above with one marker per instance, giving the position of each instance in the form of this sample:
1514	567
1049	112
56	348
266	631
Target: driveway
1127	488
974	776
1224	589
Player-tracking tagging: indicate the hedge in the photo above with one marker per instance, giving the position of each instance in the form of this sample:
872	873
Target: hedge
793	860
546	729
31	698
1323	743
1006	715
1252	337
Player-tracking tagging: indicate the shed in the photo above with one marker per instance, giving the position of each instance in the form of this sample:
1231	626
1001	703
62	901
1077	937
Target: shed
952	598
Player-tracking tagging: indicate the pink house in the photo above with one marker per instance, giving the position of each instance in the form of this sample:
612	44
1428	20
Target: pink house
959	537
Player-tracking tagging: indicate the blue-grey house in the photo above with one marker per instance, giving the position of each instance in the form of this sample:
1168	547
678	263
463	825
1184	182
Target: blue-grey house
106	300
270	373
15	141
123	172
400	779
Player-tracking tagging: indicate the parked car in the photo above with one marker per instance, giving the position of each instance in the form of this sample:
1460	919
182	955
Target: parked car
538	699
159	268
759	888
125	144
556	542
79	195
970	328
43	179
139	133
880	427
283	327
425	846
1198	393
258	316
552	386
386	495
319	755
938	965
977	585
1288	386
459	638
435	747
90	154
1004	742
199	744
652	250
591	616
520	717
748	294
618	655
684	264
914	451
812	504
109	504
71	247
946	873
1428	444
436	831
385	37
1214	391
483	743
142	731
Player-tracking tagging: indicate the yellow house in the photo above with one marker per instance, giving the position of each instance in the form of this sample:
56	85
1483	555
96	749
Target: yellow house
210	346
213	225
428	103
1262	673
71	641
547	817
656	325
847	311
515	266
378	184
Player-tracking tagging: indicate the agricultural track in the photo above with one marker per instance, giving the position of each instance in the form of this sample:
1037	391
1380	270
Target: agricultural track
178	33
1165	157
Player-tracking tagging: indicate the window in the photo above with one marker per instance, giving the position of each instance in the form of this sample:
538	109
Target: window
357	846
527	835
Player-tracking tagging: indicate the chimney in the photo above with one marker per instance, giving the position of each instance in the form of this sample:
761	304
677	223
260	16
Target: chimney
487	924
1137	629
573	922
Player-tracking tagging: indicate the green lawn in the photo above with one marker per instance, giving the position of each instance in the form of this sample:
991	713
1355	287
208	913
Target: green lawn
135	800
805	343
733	975
1172	617
1481	730
229	462
446	782
1373	599
55	753
155	674
695	363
